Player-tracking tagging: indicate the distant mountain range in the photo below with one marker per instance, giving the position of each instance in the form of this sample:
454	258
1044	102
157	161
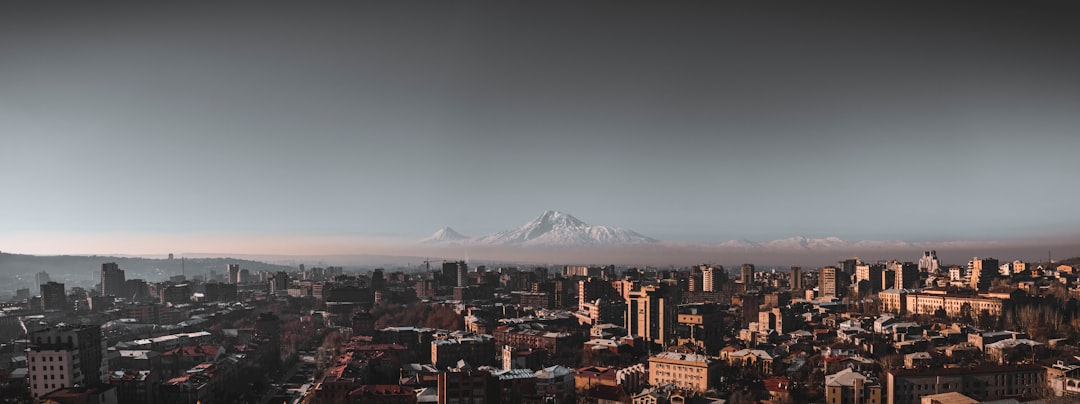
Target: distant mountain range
559	229
151	269
550	229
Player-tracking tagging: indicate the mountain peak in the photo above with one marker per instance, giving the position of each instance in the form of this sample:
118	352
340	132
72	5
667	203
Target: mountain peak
445	234
557	217
555	228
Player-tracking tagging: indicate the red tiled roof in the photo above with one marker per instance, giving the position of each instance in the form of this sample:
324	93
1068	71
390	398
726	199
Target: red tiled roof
382	390
777	383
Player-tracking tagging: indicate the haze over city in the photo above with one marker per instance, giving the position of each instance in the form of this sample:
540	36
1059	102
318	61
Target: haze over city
539	202
361	129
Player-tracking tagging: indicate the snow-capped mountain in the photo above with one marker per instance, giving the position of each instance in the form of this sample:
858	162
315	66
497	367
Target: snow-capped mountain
444	235
552	228
813	244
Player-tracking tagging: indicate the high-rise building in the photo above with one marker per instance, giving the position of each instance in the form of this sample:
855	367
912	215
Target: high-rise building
42	278
279	282
590	289
65	356
244	276
462	274
747	274
906	274
112	280
233	272
848	266
712	277
454	273
868	277
652	313
983	271
796	278
828	282
929	262
53	297
378	280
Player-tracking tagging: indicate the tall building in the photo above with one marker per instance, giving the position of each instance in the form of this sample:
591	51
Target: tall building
454	274
652	313
747	274
868	277
378	280
848	266
929	262
112	280
712	278
983	271
42	278
233	272
796	279
279	282
590	289
65	356
462	274
53	297
829	282
905	273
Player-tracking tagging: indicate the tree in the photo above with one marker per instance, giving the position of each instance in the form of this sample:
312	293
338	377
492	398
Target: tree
965	313
986	320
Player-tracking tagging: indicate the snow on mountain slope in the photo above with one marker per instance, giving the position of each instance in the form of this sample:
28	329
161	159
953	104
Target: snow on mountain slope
444	235
554	228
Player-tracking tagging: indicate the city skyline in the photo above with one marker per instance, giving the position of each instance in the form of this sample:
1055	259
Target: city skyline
362	128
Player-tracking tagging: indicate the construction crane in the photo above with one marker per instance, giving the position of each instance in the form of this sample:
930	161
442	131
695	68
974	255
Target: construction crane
427	263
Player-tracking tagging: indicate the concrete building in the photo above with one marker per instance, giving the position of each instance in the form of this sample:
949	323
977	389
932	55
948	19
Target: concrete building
983	271
53	296
233	272
746	273
478	350
868	278
112	280
66	356
712	278
468	387
176	294
684	371
906	386
905	273
796	280
652	312
850	387
829	282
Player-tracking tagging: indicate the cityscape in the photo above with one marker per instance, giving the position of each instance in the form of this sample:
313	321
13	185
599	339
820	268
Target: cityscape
549	203
445	331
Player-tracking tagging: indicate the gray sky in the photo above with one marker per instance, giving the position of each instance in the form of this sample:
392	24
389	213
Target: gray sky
915	121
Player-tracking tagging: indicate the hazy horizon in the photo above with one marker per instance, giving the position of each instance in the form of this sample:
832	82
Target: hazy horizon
344	128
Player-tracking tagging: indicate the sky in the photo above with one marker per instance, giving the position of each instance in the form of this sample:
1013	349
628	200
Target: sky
125	124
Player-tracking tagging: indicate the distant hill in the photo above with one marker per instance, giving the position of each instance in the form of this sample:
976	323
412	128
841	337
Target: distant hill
150	269
1069	261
